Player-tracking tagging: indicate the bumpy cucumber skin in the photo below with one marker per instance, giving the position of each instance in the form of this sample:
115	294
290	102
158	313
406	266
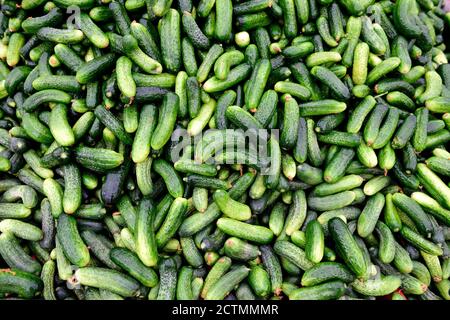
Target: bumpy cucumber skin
108	279
347	247
71	242
24	284
325	291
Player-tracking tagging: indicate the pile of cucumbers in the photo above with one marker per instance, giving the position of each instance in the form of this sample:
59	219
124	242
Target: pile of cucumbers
352	201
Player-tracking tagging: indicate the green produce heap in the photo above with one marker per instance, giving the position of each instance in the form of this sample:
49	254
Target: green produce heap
350	201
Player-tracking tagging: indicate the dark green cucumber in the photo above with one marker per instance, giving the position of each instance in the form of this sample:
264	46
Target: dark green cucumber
71	242
347	247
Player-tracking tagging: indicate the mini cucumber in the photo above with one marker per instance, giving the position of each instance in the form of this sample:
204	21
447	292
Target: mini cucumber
64	83
325	291
314	241
404	132
191	252
378	287
95	35
64	36
217	271
297	213
259	281
226	283
146	40
62	262
331	202
415	212
370	214
21	229
294	89
434	266
382	69
60	127
71	242
339	138
196	222
45	96
15	256
372	127
273	267
347	247
72	188
387	130
225	61
23	284
391	217
357	117
141	143
431	206
288	136
236	75
245	231
238	249
256	87
100	247
171	42
47	277
290	26
326	271
108	279
420	242
386	250
26	194
135	53
125	81
146	248
172	221
329	79
293	254
231	208
168	113
360	61
94	68
335	169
